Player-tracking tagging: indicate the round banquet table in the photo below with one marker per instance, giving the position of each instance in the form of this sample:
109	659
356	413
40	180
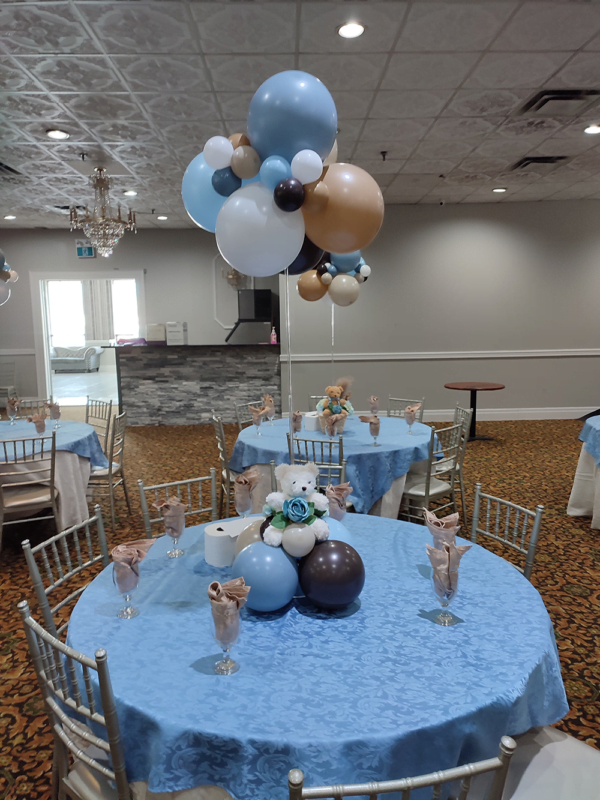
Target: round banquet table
370	470
77	450
584	500
375	692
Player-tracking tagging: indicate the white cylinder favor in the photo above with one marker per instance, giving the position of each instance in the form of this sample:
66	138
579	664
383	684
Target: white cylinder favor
220	539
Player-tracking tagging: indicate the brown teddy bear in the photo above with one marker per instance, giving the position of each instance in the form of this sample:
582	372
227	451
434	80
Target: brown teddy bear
337	400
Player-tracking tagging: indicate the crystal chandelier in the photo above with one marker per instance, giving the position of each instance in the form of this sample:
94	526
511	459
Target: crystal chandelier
104	226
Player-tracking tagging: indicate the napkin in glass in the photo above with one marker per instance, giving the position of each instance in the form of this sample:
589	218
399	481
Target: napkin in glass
39	420
126	563
297	421
410	412
54	409
269	403
242	489
334	422
444	531
258	414
172	511
374	404
13	402
337	496
226	599
445	567
374	424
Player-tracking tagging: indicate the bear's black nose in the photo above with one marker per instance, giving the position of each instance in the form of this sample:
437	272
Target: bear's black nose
304	488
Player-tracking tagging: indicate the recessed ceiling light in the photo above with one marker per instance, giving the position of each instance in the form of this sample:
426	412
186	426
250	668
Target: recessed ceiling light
162	217
130	193
592	129
351	30
499	190
10	216
56	134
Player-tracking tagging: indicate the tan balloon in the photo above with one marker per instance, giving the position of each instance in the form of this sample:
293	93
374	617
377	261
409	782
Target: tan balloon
333	154
239	139
316	197
344	290
353	214
310	286
249	535
298	540
245	162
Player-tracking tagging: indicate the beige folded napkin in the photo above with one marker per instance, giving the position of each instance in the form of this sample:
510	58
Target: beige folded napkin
445	567
13	402
39	420
126	563
332	422
337	496
242	489
410	412
444	531
258	414
54	409
226	599
374	424
297	421
173	514
269	403
374	404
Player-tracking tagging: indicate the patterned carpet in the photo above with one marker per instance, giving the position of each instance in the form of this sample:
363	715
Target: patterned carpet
529	463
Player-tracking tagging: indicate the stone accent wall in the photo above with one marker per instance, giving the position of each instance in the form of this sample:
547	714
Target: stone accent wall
182	385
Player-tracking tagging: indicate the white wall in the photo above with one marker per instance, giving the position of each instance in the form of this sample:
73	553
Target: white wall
503	293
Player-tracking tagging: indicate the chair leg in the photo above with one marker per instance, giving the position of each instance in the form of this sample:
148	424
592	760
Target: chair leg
228	500
126	494
221	501
111	494
55	776
462	501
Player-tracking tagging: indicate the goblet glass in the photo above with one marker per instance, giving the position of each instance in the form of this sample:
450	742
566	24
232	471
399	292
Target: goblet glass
127	581
271	416
56	417
12	413
226	637
174	533
243	505
256	423
375	441
445	597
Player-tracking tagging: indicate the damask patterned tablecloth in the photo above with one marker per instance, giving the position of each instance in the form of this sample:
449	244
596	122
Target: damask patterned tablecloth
373	693
76	437
590	435
370	470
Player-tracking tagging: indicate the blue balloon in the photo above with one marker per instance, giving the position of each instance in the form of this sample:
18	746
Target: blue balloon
292	111
255	179
339	532
271	574
225	181
201	201
332	270
274	170
346	262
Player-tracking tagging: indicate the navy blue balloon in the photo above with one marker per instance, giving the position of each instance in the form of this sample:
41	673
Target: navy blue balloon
289	195
308	258
271	574
201	201
292	111
225	181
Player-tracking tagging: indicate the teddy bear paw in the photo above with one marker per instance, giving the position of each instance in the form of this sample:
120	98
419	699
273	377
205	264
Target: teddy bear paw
320	530
272	536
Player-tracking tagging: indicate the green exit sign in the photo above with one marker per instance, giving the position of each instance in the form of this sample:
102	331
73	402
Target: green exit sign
84	248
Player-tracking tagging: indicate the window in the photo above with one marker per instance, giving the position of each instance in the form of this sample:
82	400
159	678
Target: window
124	308
67	320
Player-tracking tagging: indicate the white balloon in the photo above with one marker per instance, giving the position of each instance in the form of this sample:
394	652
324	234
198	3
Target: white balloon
307	166
255	236
358	277
326	278
218	152
4	293
333	155
14	276
365	270
344	290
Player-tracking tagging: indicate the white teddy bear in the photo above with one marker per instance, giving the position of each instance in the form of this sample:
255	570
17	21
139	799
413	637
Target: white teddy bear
297	481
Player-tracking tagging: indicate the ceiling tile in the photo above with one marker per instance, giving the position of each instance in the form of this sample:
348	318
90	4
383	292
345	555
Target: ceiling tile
109	106
246	72
66	73
172	107
395	129
320	21
530	127
117	131
29	106
234	105
515	70
424	166
394	151
485	166
457	148
446	128
14	79
485	102
428	71
549	26
582	71
352	105
396	105
37	130
168	73
501	147
246	28
48	28
453	26
345	71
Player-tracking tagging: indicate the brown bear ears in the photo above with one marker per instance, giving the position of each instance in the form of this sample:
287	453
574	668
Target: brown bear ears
334	390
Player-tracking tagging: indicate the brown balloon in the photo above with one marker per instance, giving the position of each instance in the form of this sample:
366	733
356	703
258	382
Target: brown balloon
245	162
310	286
353	213
332	575
316	197
239	140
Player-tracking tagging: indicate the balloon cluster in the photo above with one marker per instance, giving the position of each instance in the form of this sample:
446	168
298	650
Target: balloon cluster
275	197
341	277
7	275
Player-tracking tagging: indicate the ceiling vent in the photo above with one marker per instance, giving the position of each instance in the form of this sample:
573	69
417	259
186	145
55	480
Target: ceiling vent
541	165
560	103
67	209
9	172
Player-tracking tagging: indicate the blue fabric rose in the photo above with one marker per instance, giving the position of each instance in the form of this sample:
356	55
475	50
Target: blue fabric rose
335	408
296	509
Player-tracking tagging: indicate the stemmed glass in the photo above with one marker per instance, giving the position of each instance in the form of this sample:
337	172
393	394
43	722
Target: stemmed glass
226	637
256	422
56	416
271	416
374	428
12	413
127	580
445	597
174	530
410	420
243	503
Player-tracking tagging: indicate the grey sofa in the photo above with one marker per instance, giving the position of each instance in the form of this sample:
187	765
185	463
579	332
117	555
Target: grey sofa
75	359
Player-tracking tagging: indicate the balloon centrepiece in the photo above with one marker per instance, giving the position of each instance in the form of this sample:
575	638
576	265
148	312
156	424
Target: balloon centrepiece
307	166
200	199
270	571
332	575
250	534
238	140
273	170
245	162
218	152
308	258
310	286
289	194
298	540
344	290
225	181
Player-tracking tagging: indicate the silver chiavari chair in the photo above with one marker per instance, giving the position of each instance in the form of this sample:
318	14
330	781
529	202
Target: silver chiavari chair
396	406
462	416
328	455
189	492
98	414
243	413
107	479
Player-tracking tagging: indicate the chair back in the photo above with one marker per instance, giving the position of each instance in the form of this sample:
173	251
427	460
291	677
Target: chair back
328	455
189	492
221	443
243	413
27	408
98	414
27	463
396	406
7	375
63	556
313	399
116	451
498	765
462	416
65	678
510	524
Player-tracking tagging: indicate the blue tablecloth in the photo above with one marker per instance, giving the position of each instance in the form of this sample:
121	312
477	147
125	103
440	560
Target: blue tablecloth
77	437
381	693
370	470
591	436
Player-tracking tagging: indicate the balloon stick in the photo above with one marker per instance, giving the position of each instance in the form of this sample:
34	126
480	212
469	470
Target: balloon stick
288	328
